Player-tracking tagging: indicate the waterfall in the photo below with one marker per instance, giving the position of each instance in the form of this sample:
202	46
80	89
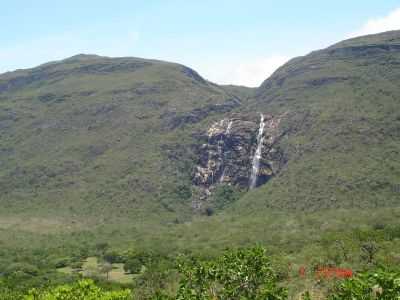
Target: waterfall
257	155
228	128
222	178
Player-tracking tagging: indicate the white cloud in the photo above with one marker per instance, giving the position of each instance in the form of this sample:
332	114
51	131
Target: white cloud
249	73
254	72
380	24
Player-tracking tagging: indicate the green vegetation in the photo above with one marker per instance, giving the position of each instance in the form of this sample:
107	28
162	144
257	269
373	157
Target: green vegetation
343	145
92	140
92	268
236	274
97	155
241	274
82	290
378	284
225	195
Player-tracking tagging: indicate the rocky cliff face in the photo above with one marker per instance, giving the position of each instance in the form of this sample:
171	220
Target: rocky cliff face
226	156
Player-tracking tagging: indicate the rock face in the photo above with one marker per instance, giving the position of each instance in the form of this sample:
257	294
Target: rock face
230	144
173	120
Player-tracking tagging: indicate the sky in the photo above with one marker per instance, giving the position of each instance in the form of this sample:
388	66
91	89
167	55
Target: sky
227	42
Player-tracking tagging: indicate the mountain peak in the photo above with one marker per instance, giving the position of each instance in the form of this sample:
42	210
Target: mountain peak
388	38
83	56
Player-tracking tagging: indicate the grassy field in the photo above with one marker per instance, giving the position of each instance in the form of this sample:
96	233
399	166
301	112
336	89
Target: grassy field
92	268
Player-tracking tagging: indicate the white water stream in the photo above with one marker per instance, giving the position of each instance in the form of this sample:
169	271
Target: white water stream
257	155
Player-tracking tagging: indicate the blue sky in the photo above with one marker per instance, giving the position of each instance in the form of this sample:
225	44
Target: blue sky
239	42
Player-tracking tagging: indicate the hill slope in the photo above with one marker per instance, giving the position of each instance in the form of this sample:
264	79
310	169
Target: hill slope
92	136
343	143
110	140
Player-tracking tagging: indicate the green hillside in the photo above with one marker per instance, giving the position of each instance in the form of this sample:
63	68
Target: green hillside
92	140
101	137
343	143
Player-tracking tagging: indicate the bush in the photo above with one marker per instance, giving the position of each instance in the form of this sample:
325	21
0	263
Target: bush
240	274
22	268
113	257
183	192
380	285
134	262
62	262
82	290
209	211
225	195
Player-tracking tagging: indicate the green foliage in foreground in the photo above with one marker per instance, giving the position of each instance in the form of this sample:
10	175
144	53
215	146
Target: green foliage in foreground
240	274
381	284
237	274
82	290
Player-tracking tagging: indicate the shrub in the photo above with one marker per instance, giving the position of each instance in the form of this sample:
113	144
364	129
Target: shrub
225	195
380	285
239	274
82	290
209	211
23	268
62	262
113	257
134	262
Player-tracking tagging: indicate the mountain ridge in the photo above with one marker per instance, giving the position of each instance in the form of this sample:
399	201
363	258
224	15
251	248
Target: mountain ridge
119	137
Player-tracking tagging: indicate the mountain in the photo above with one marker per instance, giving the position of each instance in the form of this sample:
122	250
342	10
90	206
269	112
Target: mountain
343	127
135	160
336	144
98	141
94	136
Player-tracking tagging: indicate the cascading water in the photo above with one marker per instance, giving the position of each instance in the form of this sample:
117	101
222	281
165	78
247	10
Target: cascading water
222	178
228	128
257	155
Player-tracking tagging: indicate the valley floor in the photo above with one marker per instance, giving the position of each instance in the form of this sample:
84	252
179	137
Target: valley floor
347	239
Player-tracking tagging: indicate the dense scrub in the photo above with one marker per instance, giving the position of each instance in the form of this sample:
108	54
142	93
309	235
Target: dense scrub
82	290
245	273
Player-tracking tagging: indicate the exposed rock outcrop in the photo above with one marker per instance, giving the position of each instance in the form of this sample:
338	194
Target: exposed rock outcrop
229	146
173	120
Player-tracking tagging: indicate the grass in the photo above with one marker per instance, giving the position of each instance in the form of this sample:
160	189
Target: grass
92	268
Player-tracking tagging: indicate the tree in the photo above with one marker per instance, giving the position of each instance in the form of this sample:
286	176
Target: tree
102	247
113	257
106	268
239	274
369	249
